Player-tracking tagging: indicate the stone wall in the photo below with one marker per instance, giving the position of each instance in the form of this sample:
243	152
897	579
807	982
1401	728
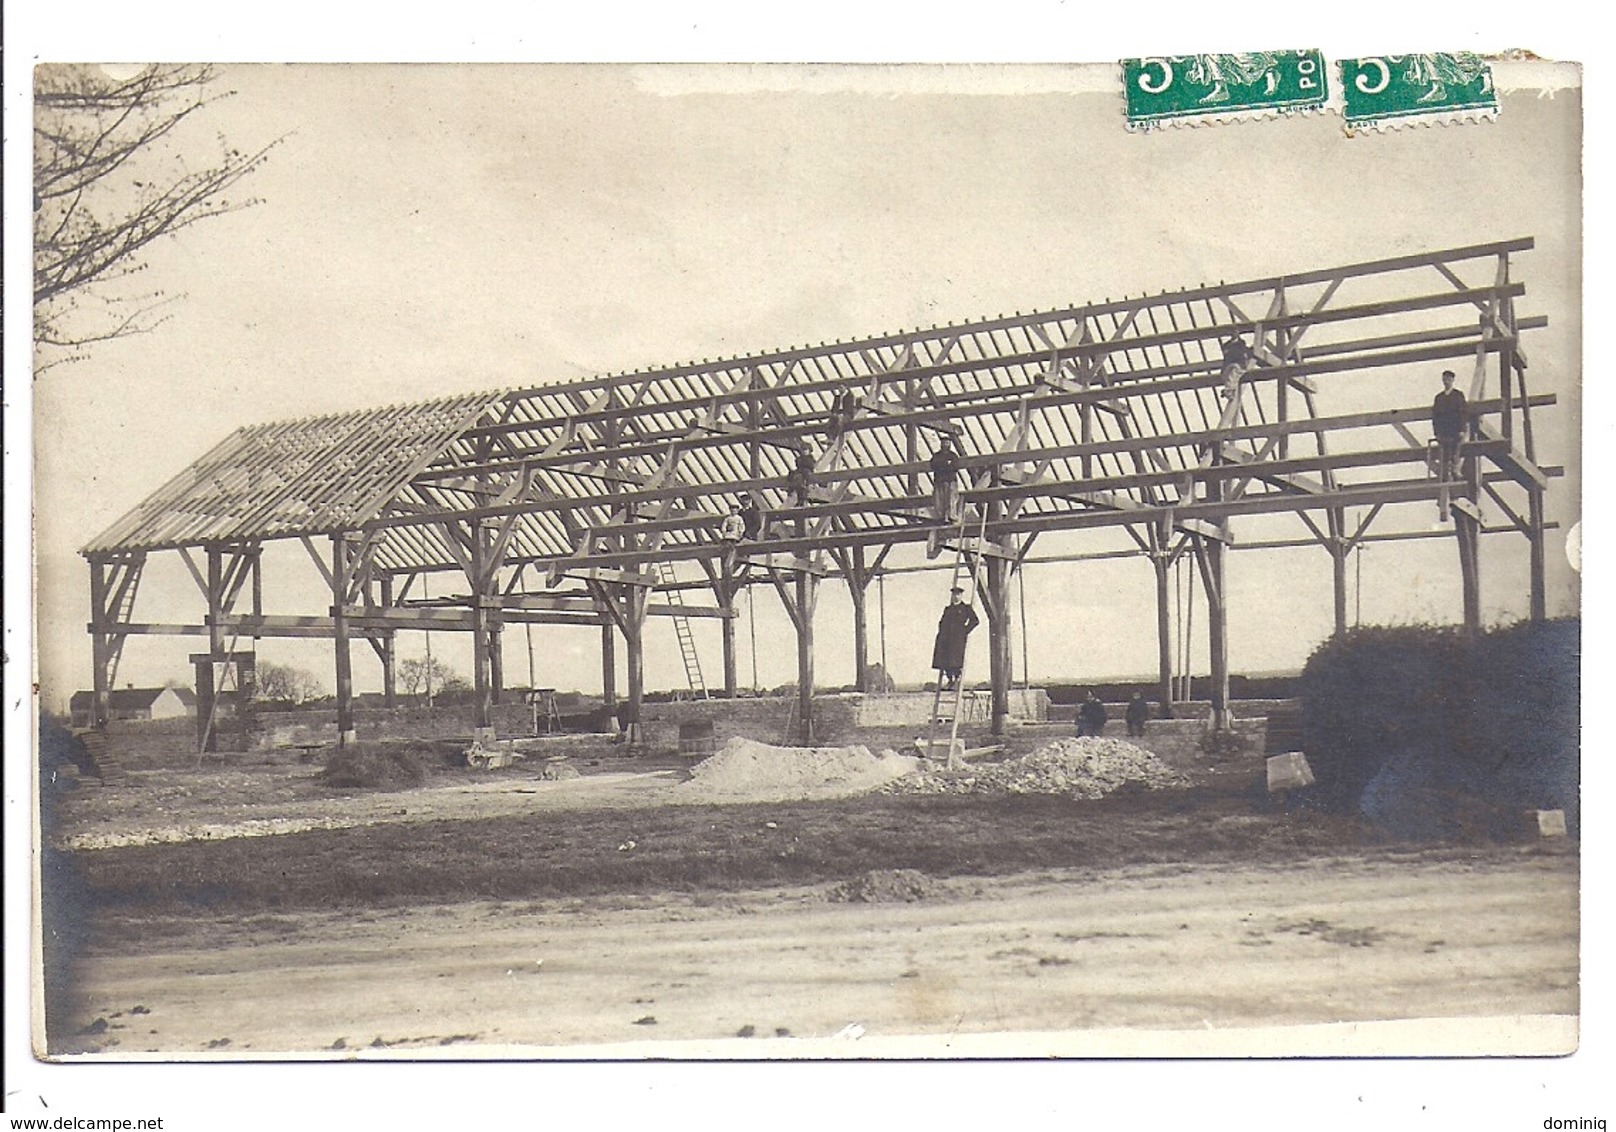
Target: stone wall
913	709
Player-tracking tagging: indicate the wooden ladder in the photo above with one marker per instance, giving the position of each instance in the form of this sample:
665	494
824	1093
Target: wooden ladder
681	629
953	716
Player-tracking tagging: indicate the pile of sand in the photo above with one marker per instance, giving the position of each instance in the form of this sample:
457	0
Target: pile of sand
1077	768
748	771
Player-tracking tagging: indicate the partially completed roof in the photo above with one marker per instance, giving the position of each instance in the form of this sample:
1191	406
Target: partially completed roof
1091	412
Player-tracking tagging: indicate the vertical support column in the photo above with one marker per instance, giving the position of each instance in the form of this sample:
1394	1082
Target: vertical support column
726	602
388	652
101	645
634	599
346	733
807	595
1467	532
1212	553
208	691
1338	563
1336	544
1464	529
1162	563
858	582
257	553
996	604
482	721
496	654
608	664
1539	598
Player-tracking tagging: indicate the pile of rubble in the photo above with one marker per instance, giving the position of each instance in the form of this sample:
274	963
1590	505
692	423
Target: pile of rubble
748	771
1076	768
885	886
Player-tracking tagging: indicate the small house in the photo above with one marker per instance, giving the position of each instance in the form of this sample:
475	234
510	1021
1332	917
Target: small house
135	703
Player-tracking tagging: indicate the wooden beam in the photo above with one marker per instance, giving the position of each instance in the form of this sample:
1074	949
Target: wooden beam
1090	353
1005	400
1375	418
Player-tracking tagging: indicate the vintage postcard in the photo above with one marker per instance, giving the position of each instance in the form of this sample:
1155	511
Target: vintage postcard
781	562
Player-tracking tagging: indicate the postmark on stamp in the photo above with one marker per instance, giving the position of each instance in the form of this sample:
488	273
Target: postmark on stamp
1381	91
1169	89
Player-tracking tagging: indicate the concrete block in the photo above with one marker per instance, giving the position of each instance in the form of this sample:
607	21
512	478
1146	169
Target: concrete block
1289	772
1548	823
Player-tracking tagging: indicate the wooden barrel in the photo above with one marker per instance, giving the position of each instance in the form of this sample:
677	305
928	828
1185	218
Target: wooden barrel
696	737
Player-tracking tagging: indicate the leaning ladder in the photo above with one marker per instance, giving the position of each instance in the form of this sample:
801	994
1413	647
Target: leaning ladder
953	716
681	629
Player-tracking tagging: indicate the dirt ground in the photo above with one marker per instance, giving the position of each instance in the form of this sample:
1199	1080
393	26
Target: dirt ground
1159	949
1159	958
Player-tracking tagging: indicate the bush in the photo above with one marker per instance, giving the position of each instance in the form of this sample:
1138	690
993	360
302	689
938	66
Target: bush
1425	709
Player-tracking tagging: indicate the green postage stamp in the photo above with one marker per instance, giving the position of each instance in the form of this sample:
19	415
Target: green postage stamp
1163	89
1388	90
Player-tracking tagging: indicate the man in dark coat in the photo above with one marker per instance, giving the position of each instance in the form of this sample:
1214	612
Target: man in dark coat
1091	716
801	477
1236	357
1138	714
1447	422
945	466
751	518
953	629
843	407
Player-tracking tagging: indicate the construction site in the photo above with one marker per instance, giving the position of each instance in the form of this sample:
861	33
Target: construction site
1166	420
1171	429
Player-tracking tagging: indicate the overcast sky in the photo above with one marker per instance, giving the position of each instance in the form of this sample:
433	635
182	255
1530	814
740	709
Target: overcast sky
425	230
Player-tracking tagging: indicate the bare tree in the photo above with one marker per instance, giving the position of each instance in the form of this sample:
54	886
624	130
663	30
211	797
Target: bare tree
428	676
282	683
111	175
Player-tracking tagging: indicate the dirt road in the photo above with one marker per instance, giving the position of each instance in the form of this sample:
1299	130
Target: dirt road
1161	959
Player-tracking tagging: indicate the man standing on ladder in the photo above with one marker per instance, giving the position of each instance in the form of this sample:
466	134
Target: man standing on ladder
945	466
1447	423
953	630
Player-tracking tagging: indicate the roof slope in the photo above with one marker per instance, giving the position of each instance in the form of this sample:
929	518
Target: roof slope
292	477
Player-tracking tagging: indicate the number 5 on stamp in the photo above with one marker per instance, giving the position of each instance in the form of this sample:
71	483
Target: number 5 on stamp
1162	89
1381	90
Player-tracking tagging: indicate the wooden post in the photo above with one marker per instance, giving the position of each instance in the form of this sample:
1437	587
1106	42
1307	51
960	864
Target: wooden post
634	633
1159	559
1469	576
101	645
346	732
1338	559
1539	599
1467	533
806	596
858	582
208	692
496	656
388	656
608	663
996	604
1211	553
482	721
726	599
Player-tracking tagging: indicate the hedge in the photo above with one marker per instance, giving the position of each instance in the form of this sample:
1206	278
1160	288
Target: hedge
1418	723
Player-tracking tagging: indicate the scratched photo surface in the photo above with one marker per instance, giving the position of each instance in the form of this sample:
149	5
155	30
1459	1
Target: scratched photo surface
496	572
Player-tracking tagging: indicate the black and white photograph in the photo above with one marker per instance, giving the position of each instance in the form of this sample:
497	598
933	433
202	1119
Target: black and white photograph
585	562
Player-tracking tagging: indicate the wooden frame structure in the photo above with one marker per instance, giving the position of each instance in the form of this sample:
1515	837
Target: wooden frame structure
571	503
